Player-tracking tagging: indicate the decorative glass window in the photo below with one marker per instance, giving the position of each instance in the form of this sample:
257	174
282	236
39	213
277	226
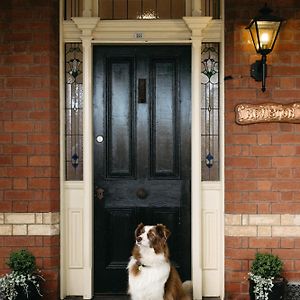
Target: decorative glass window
141	9
73	112
210	118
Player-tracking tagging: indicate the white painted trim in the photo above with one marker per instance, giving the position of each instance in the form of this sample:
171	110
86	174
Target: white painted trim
154	31
222	153
94	31
196	25
63	235
88	174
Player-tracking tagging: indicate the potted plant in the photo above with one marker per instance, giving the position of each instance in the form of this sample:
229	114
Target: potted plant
23	282
266	282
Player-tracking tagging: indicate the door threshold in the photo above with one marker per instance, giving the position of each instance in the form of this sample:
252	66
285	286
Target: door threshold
101	297
121	297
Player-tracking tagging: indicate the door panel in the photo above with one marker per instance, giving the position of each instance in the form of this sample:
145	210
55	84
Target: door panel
142	110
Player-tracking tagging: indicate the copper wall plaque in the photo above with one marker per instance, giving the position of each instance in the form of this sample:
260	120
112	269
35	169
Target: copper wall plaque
268	112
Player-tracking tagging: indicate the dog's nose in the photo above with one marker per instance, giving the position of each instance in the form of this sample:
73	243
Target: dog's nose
139	239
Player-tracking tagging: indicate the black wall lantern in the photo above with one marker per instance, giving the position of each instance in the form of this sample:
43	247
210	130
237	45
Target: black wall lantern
264	30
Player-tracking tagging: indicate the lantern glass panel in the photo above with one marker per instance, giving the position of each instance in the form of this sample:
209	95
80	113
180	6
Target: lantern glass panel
267	32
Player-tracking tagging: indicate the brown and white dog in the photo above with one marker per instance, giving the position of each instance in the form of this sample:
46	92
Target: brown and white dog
150	273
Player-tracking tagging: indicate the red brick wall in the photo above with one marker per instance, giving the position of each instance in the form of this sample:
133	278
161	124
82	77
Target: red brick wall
262	160
29	125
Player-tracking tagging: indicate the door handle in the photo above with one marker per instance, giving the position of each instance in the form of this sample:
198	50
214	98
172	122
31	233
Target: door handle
99	193
141	193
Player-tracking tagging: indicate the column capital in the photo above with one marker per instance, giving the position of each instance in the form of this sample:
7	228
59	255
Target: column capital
196	25
86	24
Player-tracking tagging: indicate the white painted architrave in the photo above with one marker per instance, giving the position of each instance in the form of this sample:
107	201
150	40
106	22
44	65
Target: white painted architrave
77	280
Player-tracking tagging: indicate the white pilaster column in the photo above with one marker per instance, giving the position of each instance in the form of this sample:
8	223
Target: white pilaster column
87	26
87	168
196	8
87	8
196	169
196	25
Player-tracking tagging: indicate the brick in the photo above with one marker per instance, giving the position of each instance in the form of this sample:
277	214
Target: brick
264	139
43	183
287	243
264	220
19	183
240	253
285	139
285	185
290	253
233	242
265	150
50	218
21	171
284	173
264	231
264	185
20	160
5	160
5	138
264	243
43	229
264	208
5	183
39	218
240	230
40	161
5	229
12	241
50	262
285	208
20	206
20	138
245	220
17	149
279	162
240	208
19	230
242	185
18	126
233	219
261	173
286	231
19	82
264	162
288	219
39	206
17	195
19	218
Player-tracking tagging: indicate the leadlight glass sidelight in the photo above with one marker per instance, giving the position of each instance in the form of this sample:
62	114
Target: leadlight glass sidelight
210	152
73	111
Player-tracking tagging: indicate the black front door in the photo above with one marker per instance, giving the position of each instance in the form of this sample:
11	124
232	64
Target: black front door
142	112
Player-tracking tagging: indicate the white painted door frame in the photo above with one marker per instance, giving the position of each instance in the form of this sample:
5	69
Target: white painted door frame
78	279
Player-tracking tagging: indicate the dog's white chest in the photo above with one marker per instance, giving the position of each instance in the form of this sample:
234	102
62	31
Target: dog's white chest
149	283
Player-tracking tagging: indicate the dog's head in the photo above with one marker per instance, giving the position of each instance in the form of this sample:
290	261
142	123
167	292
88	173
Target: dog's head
154	236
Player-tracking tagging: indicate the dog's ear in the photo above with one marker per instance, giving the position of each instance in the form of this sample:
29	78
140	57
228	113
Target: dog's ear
138	230
163	231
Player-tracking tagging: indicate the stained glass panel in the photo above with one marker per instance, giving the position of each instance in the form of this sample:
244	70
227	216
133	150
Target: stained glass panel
210	156
73	111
